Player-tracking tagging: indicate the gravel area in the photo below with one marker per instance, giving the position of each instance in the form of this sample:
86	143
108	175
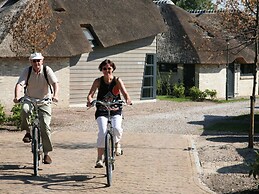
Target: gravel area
157	117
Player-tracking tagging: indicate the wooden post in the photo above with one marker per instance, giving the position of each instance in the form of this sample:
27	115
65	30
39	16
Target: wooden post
251	131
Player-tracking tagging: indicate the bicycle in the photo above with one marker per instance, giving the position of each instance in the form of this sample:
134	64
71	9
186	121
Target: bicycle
36	143
109	148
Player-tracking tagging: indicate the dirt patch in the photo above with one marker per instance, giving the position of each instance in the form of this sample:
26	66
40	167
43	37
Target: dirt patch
225	163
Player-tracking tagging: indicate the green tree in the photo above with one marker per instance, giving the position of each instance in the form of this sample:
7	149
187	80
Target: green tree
194	4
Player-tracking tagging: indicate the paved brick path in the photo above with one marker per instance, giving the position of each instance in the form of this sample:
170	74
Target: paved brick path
151	164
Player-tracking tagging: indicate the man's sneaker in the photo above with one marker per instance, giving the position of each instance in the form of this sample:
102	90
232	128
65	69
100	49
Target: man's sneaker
47	159
99	164
118	150
27	138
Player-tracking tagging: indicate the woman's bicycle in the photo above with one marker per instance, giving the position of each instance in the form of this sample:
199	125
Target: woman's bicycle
109	148
36	143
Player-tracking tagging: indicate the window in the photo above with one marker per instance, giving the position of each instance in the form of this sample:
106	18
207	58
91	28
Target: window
149	79
246	69
168	67
89	35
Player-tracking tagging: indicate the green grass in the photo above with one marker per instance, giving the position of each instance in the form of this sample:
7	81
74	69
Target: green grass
231	100
170	98
246	117
186	99
238	124
229	127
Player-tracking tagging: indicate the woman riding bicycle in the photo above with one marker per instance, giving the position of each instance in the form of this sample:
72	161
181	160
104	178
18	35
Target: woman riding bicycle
109	88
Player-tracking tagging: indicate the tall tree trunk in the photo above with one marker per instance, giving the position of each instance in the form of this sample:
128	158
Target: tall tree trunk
252	98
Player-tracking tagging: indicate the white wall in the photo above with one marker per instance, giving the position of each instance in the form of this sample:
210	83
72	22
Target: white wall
212	77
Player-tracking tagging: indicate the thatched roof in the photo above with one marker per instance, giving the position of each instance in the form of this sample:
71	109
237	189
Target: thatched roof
191	39
113	22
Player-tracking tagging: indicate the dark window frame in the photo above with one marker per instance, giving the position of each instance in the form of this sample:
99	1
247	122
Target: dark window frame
168	67
94	41
246	69
148	90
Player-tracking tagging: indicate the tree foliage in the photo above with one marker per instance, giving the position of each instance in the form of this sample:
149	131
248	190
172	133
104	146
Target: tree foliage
32	31
241	17
194	4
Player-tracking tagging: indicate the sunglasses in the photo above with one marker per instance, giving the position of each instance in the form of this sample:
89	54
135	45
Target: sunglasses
109	68
36	60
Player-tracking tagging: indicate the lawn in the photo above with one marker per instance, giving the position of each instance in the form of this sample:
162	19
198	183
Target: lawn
238	124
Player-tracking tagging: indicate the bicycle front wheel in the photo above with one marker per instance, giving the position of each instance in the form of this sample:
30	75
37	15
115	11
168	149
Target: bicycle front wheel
109	157
35	150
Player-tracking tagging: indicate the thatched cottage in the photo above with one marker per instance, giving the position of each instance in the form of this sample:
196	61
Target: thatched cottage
199	53
89	31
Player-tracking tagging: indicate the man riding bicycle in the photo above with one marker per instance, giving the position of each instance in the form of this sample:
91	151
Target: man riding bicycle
37	82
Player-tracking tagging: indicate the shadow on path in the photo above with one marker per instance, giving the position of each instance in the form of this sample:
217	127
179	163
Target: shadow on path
61	181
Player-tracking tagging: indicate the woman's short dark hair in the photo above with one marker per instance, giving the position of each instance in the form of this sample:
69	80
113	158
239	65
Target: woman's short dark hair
105	62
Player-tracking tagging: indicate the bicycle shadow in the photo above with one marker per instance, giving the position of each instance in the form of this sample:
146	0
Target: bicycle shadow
15	168
61	181
18	174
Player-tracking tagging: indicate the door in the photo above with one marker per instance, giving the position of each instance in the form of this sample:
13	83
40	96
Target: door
230	80
188	77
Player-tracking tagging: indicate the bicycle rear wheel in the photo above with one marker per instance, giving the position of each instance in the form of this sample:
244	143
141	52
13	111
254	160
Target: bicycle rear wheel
35	150
109	157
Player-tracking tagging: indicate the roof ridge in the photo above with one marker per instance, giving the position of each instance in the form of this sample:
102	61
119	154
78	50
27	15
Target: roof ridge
163	2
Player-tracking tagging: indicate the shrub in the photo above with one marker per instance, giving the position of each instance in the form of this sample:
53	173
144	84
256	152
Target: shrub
15	118
2	114
178	90
211	93
164	86
159	85
196	94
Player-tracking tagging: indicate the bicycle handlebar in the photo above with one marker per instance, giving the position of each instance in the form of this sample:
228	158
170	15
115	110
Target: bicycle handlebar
36	101
107	104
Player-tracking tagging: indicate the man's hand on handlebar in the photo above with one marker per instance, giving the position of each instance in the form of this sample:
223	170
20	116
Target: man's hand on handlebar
16	100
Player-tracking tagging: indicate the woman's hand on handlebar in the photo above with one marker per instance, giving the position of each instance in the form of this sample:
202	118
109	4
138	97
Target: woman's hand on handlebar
54	99
128	102
90	104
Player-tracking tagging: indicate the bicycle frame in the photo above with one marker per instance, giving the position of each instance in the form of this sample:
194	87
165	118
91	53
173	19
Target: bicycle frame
36	145
109	149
